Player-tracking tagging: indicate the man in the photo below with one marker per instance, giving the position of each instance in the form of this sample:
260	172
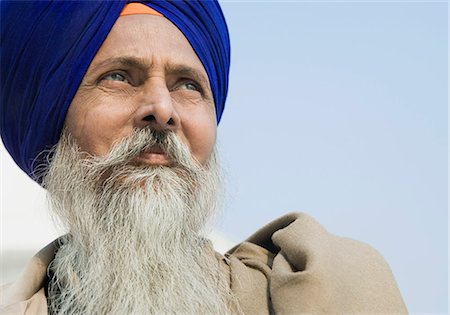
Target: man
113	108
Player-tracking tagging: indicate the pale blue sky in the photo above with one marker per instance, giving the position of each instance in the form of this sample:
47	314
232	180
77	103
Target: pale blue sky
339	109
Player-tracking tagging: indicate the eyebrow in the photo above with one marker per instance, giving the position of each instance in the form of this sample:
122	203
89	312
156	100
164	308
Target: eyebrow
121	61
132	62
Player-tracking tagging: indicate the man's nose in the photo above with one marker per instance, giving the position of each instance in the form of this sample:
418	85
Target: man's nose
156	108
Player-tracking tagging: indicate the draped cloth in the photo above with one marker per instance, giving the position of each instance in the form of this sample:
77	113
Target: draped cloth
290	266
47	47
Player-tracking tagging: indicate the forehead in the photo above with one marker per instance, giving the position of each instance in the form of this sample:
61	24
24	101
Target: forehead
150	39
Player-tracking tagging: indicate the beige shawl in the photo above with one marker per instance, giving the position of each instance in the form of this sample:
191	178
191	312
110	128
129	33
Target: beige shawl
290	266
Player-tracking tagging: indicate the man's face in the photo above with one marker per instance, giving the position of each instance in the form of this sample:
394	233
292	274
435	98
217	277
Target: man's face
145	74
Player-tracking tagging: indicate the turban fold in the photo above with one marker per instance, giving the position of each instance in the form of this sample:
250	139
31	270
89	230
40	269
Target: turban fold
47	46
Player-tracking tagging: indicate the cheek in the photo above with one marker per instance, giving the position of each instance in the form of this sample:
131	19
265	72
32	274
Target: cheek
201	136
97	123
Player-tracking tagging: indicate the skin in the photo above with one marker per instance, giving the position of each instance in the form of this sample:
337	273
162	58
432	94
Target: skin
145	74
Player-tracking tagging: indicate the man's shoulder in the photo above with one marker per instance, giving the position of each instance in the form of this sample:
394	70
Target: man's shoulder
35	305
310	269
26	295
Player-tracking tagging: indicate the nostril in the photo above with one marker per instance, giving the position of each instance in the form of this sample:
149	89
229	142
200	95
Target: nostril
149	118
152	118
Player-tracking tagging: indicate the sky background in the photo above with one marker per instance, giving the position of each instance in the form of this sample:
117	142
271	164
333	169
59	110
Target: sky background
336	109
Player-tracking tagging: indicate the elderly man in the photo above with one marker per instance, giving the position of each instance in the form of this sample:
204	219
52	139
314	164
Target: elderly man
113	108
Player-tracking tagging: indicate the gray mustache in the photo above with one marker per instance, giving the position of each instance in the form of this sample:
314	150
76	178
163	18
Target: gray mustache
143	139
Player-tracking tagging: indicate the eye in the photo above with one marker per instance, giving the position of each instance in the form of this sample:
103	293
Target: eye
190	85
115	76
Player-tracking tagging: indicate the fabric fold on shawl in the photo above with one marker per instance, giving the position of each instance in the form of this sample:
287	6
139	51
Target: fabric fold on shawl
294	266
47	46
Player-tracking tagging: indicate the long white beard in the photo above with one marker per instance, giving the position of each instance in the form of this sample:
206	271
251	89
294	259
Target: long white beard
134	244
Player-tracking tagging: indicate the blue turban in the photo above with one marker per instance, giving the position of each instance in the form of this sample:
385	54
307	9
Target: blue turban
46	49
